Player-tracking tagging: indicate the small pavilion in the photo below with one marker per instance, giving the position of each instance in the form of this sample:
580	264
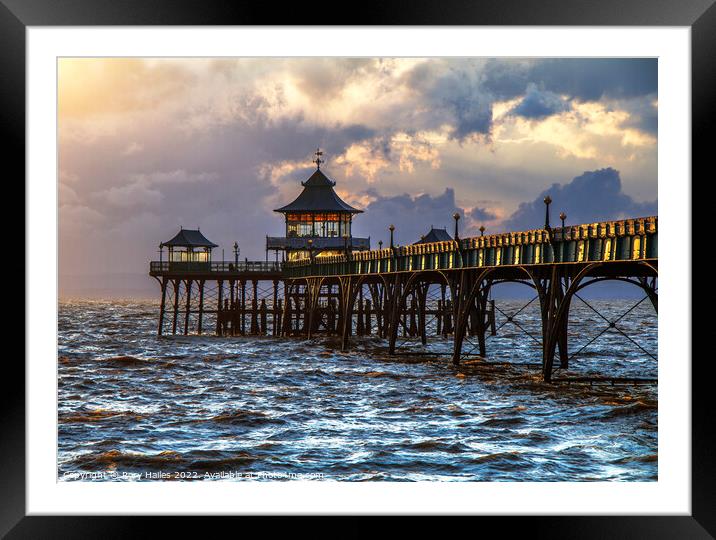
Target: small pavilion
435	235
189	246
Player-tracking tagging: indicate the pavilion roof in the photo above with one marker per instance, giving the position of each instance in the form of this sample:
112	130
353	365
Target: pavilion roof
189	238
435	235
318	196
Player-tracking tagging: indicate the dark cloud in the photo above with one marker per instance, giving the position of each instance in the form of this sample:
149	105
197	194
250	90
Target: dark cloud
412	216
643	114
592	196
594	78
482	214
586	79
506	78
455	96
463	91
539	104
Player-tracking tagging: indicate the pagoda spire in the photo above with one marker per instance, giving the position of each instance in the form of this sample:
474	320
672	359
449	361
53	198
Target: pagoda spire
318	159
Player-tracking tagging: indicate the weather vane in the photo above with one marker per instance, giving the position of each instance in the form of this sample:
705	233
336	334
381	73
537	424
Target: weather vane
318	159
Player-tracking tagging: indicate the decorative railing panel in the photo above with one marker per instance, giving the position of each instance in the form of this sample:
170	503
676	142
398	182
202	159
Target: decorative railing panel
214	267
630	239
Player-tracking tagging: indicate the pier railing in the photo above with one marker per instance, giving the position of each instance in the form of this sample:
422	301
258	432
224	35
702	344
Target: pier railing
629	239
159	267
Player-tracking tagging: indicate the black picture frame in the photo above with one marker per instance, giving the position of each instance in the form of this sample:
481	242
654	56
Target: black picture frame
17	15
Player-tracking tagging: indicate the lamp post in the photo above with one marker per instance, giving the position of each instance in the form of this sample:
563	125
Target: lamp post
161	250
391	229
547	202
482	230
380	244
456	217
236	254
562	216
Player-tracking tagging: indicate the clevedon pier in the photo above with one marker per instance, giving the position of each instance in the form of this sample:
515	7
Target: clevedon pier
328	282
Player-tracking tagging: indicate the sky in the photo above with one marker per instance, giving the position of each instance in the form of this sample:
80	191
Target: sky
149	145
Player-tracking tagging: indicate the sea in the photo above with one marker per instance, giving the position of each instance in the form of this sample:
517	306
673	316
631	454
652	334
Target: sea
134	406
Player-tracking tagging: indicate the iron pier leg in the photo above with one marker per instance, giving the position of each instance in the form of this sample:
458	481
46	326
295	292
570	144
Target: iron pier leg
345	290
413	324
187	284
422	307
160	328
243	307
263	310
274	321
562	324
254	309
482	318
439	318
360	328
393	305
200	322
447	327
458	289
368	322
279	317
548	322
286	317
219	307
176	306
649	286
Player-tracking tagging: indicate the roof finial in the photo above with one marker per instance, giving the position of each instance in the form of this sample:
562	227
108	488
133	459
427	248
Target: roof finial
318	159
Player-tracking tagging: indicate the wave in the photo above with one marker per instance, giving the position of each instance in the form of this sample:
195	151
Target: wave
635	408
498	456
648	458
244	418
503	422
97	415
199	462
118	458
437	445
125	361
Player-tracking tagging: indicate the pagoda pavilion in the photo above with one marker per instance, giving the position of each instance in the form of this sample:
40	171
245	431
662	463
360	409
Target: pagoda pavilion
435	235
318	221
188	249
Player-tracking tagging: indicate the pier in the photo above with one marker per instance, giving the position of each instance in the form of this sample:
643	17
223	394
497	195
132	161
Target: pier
385	292
329	283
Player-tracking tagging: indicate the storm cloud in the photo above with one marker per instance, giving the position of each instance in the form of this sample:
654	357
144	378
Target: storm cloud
589	197
482	214
412	216
540	103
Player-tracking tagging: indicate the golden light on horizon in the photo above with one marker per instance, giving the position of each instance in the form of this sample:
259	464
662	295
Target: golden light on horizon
99	86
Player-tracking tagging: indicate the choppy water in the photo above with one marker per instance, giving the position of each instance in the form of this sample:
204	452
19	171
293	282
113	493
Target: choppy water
132	405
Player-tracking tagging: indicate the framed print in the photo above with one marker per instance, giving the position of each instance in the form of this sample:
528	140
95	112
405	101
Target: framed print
404	264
